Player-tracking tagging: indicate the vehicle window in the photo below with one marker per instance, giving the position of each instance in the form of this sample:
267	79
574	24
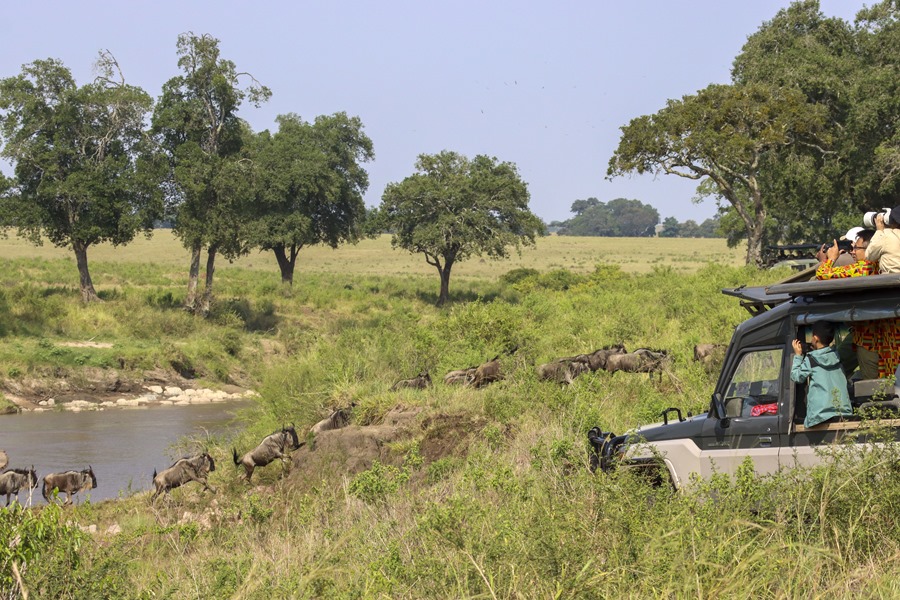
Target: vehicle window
754	389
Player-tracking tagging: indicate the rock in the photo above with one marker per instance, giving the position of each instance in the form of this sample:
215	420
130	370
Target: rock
113	529
156	389
51	402
173	391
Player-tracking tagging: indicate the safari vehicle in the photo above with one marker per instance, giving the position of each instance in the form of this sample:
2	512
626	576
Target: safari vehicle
797	256
756	373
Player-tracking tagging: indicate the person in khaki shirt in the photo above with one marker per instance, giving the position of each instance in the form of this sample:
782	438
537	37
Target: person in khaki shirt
885	244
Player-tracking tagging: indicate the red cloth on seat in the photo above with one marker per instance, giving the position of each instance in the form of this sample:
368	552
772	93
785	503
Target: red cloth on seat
764	409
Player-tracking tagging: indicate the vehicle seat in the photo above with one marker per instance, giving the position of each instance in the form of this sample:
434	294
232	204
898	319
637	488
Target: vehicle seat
875	393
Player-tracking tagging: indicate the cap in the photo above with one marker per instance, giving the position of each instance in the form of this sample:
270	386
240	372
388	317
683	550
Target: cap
852	233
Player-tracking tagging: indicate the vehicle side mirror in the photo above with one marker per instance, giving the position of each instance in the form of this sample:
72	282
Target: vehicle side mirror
718	406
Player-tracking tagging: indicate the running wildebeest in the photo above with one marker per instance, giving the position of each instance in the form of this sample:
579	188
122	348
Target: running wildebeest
70	482
597	359
275	445
182	471
487	373
460	376
419	382
338	419
642	360
709	354
563	370
13	480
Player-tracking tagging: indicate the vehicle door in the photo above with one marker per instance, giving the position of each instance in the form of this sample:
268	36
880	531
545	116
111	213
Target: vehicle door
754	406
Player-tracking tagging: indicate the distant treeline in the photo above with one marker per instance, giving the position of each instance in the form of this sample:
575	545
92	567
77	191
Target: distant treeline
629	218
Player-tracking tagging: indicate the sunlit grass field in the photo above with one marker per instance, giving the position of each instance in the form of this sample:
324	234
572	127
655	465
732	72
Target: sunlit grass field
376	257
487	494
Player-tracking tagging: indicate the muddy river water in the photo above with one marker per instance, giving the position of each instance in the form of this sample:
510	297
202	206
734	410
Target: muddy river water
123	446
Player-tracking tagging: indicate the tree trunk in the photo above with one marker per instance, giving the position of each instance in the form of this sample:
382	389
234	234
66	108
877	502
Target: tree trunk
755	244
285	263
190	302
206	302
88	293
445	281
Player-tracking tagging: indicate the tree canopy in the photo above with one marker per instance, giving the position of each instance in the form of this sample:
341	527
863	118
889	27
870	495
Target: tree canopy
617	218
197	126
454	208
83	172
310	185
725	135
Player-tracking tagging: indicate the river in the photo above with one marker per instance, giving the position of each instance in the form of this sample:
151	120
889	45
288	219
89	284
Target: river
123	446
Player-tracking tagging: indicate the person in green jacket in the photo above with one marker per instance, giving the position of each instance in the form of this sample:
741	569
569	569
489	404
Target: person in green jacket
826	395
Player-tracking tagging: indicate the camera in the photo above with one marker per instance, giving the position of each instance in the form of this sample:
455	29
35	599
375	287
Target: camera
869	218
843	246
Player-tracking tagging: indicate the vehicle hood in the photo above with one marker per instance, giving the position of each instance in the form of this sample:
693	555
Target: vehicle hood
690	427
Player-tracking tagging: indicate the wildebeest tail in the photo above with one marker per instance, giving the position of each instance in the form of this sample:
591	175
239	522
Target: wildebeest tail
237	461
44	491
154	475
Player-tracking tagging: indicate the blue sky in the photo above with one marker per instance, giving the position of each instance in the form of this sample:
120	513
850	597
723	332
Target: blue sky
545	85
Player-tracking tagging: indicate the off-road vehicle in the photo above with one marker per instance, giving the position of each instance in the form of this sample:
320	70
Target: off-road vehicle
756	373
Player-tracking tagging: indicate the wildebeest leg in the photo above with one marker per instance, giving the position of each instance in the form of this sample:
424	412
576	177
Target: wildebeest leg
68	498
206	485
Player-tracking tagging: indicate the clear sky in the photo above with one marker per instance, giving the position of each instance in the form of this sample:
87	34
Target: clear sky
545	85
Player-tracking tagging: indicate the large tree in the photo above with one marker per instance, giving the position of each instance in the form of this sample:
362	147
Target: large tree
725	135
83	173
453	208
849	71
617	218
209	185
310	185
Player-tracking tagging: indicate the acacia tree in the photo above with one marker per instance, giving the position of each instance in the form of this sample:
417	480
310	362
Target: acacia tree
454	208
724	135
310	186
83	172
198	128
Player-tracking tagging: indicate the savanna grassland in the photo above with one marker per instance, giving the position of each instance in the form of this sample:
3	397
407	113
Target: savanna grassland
484	493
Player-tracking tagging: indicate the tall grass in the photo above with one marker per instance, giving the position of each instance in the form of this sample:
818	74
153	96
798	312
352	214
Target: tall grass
488	495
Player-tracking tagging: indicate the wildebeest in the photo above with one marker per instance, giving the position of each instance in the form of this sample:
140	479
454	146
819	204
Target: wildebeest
69	482
460	376
13	480
487	373
338	419
274	445
642	360
597	359
419	382
182	471
563	370
709	354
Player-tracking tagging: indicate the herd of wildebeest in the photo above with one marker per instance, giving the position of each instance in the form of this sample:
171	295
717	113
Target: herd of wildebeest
280	444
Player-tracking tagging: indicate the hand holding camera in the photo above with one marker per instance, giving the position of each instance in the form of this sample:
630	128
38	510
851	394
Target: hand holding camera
876	219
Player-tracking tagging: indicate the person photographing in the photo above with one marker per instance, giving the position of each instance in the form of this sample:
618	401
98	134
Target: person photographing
827	397
884	248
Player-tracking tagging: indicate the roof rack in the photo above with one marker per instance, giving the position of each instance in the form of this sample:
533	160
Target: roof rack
832	286
757	300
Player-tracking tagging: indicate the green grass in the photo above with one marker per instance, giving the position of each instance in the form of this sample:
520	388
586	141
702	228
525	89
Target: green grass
489	497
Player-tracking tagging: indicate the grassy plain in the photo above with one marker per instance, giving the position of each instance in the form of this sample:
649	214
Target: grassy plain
375	256
488	495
